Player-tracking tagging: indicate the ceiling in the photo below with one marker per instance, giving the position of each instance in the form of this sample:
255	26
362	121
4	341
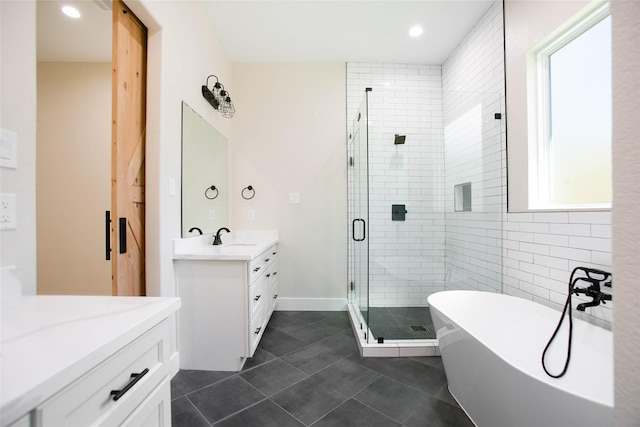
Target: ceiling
285	31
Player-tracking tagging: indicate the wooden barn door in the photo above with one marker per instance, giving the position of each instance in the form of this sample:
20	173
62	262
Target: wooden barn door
128	152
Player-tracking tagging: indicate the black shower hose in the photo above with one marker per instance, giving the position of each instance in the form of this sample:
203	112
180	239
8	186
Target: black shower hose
566	309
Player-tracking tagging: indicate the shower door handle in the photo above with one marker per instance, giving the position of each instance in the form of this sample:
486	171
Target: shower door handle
353	229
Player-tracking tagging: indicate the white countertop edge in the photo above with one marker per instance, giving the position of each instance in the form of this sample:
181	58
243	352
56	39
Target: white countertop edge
20	397
200	247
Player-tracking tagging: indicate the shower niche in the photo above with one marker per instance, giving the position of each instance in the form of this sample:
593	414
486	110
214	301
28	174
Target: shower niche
462	197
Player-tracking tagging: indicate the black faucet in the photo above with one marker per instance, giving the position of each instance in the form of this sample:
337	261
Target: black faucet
595	278
217	240
192	229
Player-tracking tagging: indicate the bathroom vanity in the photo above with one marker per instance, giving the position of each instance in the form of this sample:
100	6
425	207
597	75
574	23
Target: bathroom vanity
87	360
228	294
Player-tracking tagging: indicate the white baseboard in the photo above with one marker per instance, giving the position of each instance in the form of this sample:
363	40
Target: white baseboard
311	304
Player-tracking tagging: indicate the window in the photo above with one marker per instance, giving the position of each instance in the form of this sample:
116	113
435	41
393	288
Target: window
570	115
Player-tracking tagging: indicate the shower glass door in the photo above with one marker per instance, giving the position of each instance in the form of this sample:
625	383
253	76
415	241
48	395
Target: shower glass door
359	208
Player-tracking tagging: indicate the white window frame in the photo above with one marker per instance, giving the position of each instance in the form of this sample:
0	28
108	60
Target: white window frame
539	106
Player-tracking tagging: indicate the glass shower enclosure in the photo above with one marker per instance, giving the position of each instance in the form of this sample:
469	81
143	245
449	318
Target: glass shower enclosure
425	211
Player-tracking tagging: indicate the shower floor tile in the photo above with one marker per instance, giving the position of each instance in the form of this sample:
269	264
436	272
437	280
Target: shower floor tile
401	323
317	378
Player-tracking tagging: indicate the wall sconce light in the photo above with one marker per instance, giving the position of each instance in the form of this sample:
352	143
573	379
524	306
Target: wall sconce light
219	98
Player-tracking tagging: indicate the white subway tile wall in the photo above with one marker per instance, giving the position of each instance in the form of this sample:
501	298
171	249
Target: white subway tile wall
542	249
448	114
473	93
406	257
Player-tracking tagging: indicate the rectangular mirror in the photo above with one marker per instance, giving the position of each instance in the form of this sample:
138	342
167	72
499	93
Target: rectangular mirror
205	191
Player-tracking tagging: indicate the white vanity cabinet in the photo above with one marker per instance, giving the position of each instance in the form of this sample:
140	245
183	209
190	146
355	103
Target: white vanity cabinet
135	379
227	301
262	296
101	361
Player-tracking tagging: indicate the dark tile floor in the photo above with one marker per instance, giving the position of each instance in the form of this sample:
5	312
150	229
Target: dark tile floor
307	372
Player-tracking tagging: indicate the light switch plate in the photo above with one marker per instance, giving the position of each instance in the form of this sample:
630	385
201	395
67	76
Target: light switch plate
8	149
294	198
8	214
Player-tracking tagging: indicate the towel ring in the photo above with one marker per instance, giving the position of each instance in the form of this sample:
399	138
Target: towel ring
212	188
248	188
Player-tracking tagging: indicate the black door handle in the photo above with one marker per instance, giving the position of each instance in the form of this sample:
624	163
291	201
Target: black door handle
107	235
123	235
364	229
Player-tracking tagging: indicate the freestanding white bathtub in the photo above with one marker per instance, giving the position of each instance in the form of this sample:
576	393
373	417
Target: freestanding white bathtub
491	346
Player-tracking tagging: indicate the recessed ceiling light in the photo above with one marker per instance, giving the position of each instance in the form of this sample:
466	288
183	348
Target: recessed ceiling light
71	11
415	31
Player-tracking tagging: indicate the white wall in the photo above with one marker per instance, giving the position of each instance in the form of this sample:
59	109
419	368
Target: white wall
625	16
542	248
289	137
18	114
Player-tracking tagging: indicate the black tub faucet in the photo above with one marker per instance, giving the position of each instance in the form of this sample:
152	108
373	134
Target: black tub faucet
217	240
595	278
192	229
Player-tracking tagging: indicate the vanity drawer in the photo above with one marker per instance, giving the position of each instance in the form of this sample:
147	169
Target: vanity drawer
257	297
259	263
89	400
271	288
155	410
256	327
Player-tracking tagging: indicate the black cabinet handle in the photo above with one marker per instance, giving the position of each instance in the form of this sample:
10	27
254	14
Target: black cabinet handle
107	235
256	269
123	235
117	394
258	330
275	296
269	275
267	260
257	297
275	272
273	253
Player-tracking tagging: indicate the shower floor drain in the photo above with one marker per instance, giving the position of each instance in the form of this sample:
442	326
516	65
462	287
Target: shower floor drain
418	328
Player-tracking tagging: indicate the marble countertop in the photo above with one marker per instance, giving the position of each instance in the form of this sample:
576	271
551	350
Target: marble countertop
241	245
49	341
